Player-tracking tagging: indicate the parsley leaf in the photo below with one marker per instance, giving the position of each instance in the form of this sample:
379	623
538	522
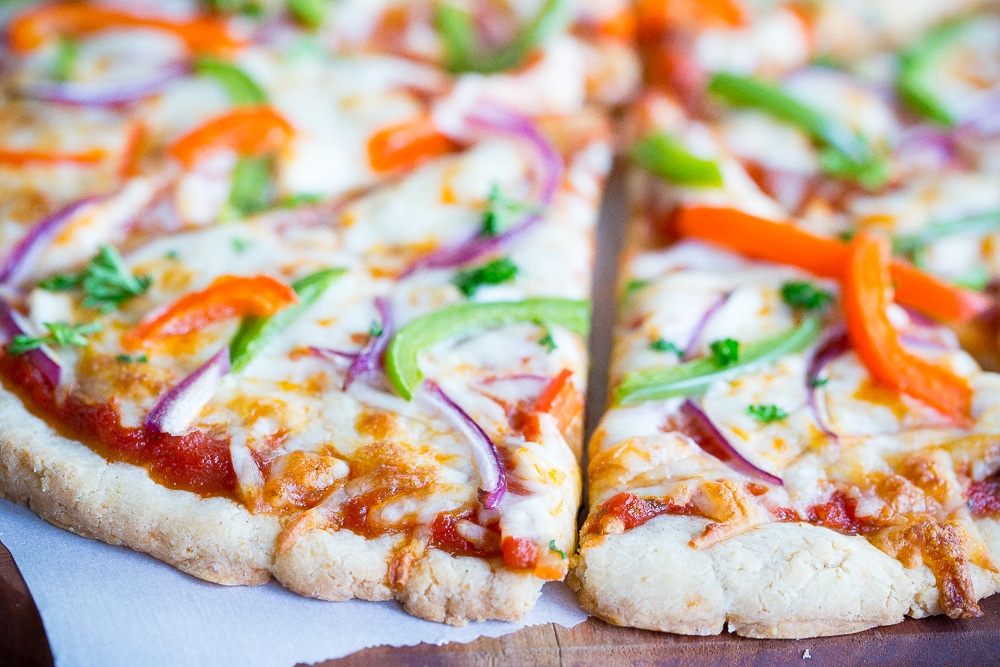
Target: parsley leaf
68	52
553	547
240	245
493	273
546	340
375	329
661	345
60	333
501	212
726	352
766	414
129	359
107	283
806	296
818	382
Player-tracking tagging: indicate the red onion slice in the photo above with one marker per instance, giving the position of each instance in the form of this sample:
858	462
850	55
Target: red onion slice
710	438
331	354
485	455
104	93
370	358
19	262
834	346
12	323
494	119
179	407
691	349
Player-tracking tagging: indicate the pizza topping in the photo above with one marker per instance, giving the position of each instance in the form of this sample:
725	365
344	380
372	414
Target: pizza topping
21	260
694	377
694	342
834	346
984	497
707	435
664	156
370	358
405	145
825	257
178	408
107	283
766	414
106	93
494	119
241	88
977	225
501	212
13	324
495	272
914	79
401	359
310	13
258	329
806	296
226	297
844	154
485	456
463	54
250	131
33	27
877	343
60	333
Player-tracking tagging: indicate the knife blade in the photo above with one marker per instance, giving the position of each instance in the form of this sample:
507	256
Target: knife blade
23	641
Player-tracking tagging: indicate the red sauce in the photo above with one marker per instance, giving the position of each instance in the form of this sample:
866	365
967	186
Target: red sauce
838	514
194	462
519	552
984	497
632	511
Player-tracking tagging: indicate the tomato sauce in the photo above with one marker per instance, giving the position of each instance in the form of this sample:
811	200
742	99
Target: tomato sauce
839	514
984	497
193	462
632	511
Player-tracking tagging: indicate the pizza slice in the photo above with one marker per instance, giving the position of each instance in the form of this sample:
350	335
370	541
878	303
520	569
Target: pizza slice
787	454
310	326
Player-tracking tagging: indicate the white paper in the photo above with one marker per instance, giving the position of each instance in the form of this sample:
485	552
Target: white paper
105	606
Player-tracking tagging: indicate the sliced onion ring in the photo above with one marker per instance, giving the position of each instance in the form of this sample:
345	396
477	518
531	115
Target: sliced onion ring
497	120
711	439
104	93
178	408
12	323
691	349
370	358
22	258
834	346
485	456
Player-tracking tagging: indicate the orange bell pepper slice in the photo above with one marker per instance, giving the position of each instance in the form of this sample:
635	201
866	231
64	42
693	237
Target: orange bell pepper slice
785	243
655	17
227	296
250	131
407	144
19	158
876	341
33	27
561	400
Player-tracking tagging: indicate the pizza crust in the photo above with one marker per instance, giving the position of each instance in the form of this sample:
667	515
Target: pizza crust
218	540
67	484
779	580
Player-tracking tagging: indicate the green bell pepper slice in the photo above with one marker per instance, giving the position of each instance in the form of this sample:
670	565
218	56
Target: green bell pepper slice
694	377
979	224
664	156
845	153
401	357
256	332
915	76
241	88
461	53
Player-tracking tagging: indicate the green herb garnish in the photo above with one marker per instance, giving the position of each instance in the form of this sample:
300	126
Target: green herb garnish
129	359
546	340
68	52
662	345
553	547
725	352
766	414
493	273
501	212
375	329
107	283
806	296
60	333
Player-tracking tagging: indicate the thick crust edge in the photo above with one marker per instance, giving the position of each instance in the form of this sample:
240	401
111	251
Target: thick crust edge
781	580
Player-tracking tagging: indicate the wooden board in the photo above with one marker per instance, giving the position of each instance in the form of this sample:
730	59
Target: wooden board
928	642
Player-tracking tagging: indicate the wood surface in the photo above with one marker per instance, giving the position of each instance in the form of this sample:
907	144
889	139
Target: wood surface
926	642
22	636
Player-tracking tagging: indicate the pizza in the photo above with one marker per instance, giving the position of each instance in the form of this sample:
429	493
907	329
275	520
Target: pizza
278	290
299	290
796	442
